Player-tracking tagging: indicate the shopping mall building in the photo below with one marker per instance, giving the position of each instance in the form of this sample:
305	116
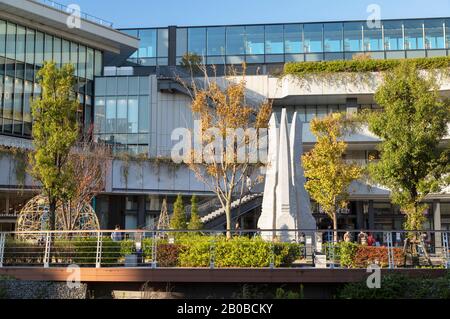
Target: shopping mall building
129	94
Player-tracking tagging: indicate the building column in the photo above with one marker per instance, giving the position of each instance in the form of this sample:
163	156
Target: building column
371	216
172	56
437	225
141	211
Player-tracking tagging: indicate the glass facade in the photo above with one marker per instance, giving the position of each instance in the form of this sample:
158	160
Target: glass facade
279	43
122	110
154	46
22	53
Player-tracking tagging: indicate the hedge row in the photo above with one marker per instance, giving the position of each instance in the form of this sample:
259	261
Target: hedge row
352	255
302	69
187	251
399	287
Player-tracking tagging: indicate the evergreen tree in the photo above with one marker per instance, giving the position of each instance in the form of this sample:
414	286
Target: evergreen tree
178	220
195	222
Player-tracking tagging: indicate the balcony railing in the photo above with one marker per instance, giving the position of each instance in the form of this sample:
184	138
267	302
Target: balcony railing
276	249
69	10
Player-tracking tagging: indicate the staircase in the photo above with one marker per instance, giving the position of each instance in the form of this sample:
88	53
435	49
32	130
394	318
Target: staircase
234	205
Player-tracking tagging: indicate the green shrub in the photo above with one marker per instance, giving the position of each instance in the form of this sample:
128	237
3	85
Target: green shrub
303	69
347	252
86	251
18	253
196	252
399	287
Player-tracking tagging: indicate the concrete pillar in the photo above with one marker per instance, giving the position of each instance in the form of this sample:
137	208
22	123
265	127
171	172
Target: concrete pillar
141	212
437	225
371	216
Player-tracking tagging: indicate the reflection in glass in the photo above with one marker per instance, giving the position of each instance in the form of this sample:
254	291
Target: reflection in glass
235	40
293	40
147	48
181	42
110	115
353	36
434	33
216	41
414	35
373	39
274	39
11	41
313	38
197	41
254	40
163	43
333	37
393	35
121	114
133	114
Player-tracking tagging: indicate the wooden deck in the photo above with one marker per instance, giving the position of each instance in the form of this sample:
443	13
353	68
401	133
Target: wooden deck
184	275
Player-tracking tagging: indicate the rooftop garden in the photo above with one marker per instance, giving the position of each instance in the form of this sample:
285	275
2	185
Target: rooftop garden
302	69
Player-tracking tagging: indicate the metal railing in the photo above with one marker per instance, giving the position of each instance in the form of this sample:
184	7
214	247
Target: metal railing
69	10
211	249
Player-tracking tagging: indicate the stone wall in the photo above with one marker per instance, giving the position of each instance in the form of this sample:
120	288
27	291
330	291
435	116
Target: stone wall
14	289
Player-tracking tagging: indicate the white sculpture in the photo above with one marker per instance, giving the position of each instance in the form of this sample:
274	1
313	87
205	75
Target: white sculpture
286	204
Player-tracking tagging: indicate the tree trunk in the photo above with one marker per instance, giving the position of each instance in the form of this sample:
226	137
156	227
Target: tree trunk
52	215
335	227
228	215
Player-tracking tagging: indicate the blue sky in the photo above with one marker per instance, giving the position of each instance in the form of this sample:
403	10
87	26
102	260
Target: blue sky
151	13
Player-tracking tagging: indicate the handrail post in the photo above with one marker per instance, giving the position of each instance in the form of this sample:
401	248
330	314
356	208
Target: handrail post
98	257
2	248
390	250
48	241
154	247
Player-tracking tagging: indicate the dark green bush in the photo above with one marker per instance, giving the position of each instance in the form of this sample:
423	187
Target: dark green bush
86	251
399	287
302	69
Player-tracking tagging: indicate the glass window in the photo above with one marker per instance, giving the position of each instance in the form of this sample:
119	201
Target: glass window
111	115
293	39
393	35
30	47
90	64
48	50
181	42
235	40
313	38
133	33
99	117
414	35
147	47
353	37
373	39
121	114
74	56
197	41
163	43
98	63
11	41
133	114
216	41
434	33
274	39
144	84
332	37
57	51
39	57
143	114
82	61
447	32
20	45
254	40
65	56
2	37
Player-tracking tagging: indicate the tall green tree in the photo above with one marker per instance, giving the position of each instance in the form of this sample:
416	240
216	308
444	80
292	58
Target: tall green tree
178	220
413	121
328	175
195	223
55	131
